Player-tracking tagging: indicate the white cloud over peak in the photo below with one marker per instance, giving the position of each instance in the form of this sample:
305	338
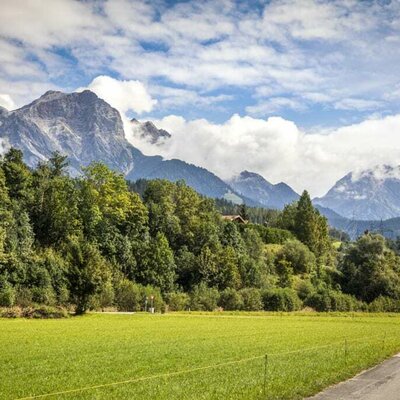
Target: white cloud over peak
7	102
277	149
123	95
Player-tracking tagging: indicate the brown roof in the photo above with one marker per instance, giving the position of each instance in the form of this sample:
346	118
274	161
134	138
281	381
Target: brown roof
234	218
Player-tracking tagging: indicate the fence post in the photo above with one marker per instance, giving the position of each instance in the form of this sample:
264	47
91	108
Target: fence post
383	341
345	351
265	374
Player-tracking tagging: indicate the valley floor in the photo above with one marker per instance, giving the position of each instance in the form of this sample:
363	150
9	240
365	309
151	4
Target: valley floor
189	356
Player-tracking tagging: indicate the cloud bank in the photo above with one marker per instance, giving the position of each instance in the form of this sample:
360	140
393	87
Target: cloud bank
277	149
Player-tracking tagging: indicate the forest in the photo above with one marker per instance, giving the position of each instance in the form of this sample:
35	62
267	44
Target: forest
96	242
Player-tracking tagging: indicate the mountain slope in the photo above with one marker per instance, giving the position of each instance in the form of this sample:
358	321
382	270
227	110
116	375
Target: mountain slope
257	188
86	128
373	194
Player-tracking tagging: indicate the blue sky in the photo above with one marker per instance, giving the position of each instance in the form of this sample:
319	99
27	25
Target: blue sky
323	65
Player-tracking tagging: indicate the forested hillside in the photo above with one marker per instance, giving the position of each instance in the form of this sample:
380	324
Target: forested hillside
97	241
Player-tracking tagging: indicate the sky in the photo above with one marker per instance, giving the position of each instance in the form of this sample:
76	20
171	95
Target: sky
301	91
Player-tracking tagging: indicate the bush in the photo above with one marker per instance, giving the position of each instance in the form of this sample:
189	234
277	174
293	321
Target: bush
23	297
43	312
43	295
128	296
10	312
204	298
384	304
177	301
330	300
300	258
104	298
230	300
273	235
304	289
7	295
251	299
281	299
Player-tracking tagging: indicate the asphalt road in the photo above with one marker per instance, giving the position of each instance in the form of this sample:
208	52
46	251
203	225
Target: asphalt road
379	383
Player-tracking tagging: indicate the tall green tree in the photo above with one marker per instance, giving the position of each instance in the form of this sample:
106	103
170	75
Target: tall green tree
370	269
17	175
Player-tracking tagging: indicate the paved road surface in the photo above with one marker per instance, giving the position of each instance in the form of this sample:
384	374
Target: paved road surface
379	383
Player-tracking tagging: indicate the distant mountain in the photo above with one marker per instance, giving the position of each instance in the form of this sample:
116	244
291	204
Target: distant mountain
149	131
373	194
86	128
257	188
389	228
79	125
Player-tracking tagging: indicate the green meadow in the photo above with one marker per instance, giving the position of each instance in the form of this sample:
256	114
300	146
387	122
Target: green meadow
189	356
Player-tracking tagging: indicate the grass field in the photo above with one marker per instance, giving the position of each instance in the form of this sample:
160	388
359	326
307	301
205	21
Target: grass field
188	356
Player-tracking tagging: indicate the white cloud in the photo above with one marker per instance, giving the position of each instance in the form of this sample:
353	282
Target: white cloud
123	95
277	149
42	23
357	104
322	51
276	104
7	102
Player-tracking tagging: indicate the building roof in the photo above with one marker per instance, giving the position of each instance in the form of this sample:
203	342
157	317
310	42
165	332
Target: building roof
234	218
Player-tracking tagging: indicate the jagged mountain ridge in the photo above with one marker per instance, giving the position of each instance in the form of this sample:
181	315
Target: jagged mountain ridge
79	125
86	129
147	130
259	189
373	194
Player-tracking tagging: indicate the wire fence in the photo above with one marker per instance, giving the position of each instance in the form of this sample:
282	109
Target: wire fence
265	376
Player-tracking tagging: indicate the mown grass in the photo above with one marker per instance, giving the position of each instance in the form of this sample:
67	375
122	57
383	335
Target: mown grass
38	357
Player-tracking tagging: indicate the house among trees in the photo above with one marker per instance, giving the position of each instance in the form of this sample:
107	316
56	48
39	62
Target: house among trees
234	218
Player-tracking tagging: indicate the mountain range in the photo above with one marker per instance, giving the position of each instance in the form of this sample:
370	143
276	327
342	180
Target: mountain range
372	194
87	129
259	189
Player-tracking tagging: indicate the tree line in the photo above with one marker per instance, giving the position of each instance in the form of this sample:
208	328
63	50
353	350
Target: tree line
96	241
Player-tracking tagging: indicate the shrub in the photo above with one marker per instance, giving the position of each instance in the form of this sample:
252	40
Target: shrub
384	304
104	298
273	235
331	300
204	298
304	289
251	299
230	299
128	296
300	258
43	295
177	301
7	295
23	297
10	312
38	311
281	299
44	312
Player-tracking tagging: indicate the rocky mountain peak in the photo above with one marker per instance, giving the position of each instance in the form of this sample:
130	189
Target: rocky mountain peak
257	188
147	130
78	124
370	194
